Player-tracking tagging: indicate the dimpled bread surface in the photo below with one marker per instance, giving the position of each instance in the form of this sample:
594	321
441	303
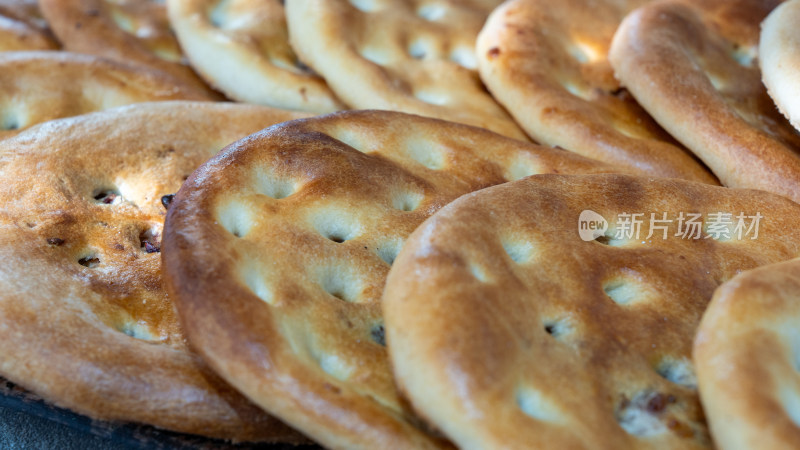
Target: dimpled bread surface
130	31
87	324
39	86
242	48
414	56
276	252
542	62
507	330
693	66
747	359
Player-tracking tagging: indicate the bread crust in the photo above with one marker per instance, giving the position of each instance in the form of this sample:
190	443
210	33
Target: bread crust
551	71
693	66
779	59
87	324
277	249
746	351
507	330
242	48
400	55
22	27
38	86
128	31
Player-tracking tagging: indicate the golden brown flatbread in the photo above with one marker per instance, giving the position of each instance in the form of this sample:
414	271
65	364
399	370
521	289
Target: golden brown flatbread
746	352
39	86
509	327
276	252
693	66
400	55
129	31
85	322
242	48
547	62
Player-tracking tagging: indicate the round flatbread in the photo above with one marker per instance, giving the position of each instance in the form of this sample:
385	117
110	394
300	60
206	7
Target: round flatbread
746	352
692	66
779	58
129	31
22	27
39	86
242	48
509	326
85	321
542	62
276	252
401	55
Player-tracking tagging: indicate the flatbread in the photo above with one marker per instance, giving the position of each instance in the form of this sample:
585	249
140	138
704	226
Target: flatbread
276	252
401	55
242	48
129	31
507	330
693	66
85	321
22	27
779	50
40	86
746	354
542	61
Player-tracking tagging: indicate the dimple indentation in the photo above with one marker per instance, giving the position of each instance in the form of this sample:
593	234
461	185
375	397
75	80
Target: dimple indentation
340	282
642	415
388	251
338	226
623	291
431	97
9	122
717	82
520	169
273	186
150	239
364	5
582	52
558	328
255	279
107	196
744	55
376	55
479	272
125	22
334	366
137	330
432	11
378	334
791	403
418	49
535	405
577	90
609	238
407	200
236	217
464	57
349	138
518	250
218	15
426	153
89	259
678	370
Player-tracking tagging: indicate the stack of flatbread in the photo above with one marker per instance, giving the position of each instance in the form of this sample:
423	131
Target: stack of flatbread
406	223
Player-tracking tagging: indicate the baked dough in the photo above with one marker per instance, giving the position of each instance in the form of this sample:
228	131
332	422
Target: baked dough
86	322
